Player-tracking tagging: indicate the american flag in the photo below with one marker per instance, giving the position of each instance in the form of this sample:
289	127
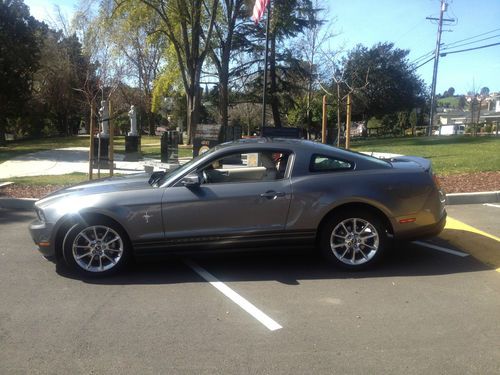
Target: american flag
259	9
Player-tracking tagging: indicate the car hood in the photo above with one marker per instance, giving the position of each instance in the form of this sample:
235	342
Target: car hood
102	186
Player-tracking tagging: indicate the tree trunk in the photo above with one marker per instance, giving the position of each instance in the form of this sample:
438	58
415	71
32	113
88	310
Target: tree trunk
224	97
3	124
193	111
272	75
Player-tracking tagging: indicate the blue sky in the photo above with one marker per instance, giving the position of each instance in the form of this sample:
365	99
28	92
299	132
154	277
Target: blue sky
403	23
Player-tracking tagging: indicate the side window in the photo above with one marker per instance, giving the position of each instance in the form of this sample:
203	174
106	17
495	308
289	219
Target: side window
321	163
247	167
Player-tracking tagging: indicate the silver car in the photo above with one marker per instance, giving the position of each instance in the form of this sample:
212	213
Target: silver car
249	194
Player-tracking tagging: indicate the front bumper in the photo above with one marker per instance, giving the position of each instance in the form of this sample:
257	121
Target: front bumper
41	232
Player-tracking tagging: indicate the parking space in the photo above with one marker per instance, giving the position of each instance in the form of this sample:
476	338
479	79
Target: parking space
422	310
485	217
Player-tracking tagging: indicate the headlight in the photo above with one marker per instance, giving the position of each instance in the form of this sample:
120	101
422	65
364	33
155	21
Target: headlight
39	214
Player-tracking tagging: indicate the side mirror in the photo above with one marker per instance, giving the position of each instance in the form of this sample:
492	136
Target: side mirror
191	180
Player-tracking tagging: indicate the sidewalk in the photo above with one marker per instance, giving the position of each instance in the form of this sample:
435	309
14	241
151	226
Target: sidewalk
76	159
64	161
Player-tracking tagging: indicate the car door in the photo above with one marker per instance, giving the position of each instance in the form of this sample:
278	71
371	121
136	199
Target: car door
242	196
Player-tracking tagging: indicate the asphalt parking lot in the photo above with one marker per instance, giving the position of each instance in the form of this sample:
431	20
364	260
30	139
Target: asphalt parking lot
423	310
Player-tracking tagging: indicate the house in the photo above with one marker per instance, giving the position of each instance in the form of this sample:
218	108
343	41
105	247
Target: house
489	112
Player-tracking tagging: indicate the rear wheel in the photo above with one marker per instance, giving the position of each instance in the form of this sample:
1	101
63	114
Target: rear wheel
353	240
96	248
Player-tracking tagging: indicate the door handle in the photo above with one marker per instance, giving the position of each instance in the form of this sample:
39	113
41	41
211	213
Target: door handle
271	194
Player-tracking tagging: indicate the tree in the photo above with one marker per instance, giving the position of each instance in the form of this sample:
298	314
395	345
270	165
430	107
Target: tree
310	48
62	68
220	50
392	83
461	102
102	72
485	91
189	27
20	39
132	31
451	91
288	19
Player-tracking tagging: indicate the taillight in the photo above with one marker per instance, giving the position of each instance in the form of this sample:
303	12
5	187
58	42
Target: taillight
436	181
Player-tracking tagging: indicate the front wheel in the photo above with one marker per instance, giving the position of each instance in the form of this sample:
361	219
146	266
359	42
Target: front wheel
96	248
353	240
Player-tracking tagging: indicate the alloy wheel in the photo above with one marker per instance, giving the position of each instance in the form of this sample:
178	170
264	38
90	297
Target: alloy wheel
354	241
97	248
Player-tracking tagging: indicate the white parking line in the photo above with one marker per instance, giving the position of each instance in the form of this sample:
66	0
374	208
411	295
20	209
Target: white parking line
491	205
440	248
235	297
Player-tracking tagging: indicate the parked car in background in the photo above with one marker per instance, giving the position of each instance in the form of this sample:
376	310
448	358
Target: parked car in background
252	193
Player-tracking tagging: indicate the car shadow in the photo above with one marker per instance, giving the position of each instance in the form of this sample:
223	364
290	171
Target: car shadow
8	215
287	267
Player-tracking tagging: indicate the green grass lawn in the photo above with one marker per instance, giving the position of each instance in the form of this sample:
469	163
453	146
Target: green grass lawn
66	179
451	101
449	155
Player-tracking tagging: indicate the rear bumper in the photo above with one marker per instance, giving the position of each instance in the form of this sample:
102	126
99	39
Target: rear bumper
425	231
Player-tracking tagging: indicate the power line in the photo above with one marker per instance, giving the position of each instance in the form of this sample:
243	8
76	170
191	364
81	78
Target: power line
454	45
415	68
422	57
447	46
473	37
470	49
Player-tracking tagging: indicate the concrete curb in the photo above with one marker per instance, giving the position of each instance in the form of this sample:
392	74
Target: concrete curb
451	199
473	198
18	203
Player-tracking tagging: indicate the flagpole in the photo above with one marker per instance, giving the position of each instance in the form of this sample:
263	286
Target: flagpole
264	89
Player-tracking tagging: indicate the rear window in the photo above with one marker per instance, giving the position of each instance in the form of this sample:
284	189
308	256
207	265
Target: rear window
322	163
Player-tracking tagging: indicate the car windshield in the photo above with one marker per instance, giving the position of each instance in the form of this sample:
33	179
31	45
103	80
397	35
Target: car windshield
175	173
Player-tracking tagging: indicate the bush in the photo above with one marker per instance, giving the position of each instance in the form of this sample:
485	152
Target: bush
49	129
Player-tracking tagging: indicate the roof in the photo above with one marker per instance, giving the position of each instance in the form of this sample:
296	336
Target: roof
299	144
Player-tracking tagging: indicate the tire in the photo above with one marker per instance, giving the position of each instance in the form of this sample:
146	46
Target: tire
353	240
98	247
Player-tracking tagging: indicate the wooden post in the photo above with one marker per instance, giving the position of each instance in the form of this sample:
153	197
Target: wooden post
91	148
323	125
111	135
338	114
348	123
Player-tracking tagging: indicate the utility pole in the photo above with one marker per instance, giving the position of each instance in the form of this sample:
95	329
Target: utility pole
444	7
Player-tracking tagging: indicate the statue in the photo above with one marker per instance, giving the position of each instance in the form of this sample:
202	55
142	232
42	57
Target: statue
104	114
133	121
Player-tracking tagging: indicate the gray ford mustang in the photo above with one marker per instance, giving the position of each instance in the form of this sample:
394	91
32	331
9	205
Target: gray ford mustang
248	194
